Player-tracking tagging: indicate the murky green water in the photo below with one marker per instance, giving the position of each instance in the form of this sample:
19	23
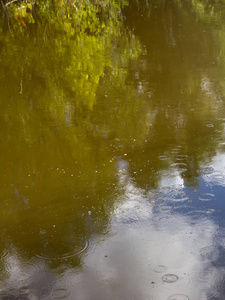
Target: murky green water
112	156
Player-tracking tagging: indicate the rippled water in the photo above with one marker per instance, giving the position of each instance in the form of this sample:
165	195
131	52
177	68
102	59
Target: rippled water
112	155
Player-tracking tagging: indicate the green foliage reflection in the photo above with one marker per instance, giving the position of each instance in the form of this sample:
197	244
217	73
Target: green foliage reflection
55	56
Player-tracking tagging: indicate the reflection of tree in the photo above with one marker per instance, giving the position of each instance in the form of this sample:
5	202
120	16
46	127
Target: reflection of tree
57	169
70	16
181	73
72	105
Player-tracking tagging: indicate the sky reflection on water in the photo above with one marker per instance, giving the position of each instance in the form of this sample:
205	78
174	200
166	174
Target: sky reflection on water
148	245
148	253
113	172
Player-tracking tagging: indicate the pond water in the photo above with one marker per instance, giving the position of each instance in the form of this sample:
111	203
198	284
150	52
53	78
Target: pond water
112	154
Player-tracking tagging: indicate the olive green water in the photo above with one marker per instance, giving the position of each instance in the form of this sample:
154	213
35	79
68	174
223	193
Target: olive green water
112	182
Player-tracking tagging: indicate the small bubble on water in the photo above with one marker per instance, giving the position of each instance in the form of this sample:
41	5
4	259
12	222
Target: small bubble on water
179	165
163	157
175	151
178	297
23	290
165	208
170	278
160	269
206	197
181	157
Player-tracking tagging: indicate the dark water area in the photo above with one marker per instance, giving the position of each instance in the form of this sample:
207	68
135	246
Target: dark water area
112	155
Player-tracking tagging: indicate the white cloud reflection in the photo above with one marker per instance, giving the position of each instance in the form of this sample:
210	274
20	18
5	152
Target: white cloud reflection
172	180
147	249
215	171
149	253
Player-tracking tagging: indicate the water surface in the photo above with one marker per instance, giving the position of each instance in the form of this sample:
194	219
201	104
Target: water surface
113	158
